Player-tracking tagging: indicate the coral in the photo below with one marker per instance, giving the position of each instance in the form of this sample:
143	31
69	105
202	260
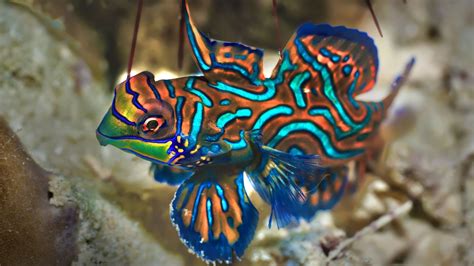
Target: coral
45	233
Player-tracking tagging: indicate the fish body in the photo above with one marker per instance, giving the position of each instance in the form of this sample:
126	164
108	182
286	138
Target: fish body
291	133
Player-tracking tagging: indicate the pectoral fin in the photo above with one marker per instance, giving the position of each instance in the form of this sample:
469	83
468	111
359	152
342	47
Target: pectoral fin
277	177
213	214
170	175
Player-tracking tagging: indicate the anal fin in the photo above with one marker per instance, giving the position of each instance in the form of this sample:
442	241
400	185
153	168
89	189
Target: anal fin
324	193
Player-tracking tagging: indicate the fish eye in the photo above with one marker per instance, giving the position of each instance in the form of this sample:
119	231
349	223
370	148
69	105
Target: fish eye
158	123
151	125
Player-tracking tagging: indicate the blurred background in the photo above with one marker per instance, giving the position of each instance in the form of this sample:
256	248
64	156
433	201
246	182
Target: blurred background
65	199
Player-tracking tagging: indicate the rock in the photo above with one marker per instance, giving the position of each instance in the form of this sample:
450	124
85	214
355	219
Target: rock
107	235
32	231
374	249
428	246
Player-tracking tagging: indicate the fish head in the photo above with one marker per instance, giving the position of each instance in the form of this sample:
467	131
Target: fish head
139	121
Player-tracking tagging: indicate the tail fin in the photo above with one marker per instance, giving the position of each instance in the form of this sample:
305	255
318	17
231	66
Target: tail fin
213	215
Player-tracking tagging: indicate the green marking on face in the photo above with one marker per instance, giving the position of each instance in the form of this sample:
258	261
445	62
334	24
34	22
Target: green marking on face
112	131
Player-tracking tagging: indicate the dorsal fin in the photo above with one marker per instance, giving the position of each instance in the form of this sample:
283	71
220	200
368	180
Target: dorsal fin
229	62
345	57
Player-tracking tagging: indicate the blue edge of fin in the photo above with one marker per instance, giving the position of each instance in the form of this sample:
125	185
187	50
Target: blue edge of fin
216	250
350	34
308	28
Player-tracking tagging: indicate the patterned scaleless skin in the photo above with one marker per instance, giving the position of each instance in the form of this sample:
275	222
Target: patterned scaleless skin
291	133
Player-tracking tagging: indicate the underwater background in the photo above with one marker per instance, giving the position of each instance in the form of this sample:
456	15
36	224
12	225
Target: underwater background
64	199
